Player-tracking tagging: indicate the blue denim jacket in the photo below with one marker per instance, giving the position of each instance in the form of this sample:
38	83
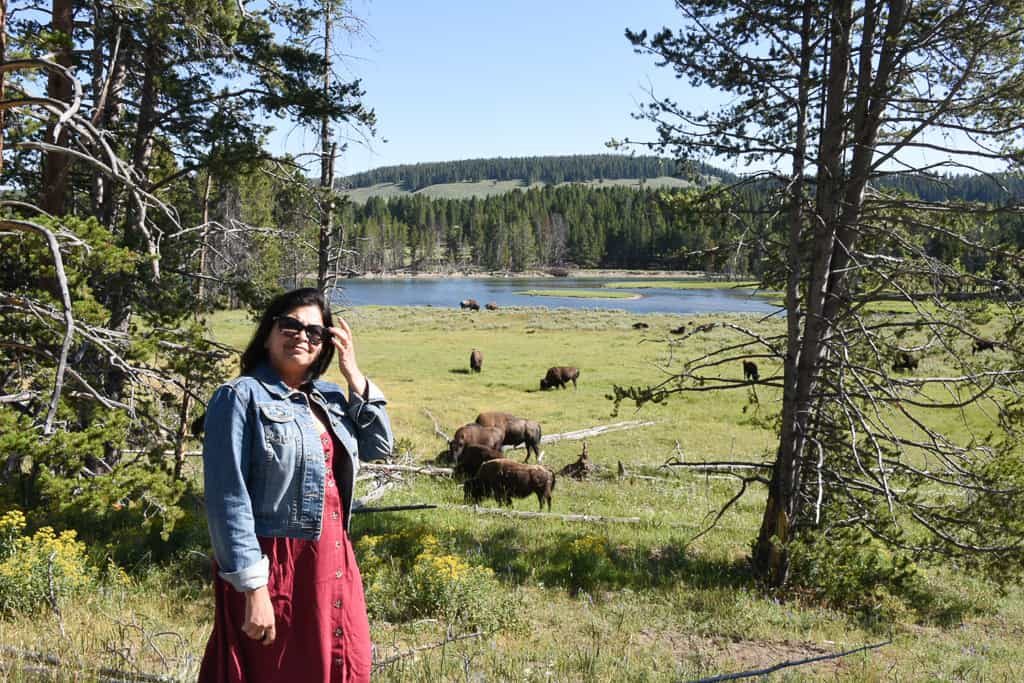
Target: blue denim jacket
263	464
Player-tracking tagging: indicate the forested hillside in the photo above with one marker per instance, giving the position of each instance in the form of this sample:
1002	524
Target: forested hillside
548	169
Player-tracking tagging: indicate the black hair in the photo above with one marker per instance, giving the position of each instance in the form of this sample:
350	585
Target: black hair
255	353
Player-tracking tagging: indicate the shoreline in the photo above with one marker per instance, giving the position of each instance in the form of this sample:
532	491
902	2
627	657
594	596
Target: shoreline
579	273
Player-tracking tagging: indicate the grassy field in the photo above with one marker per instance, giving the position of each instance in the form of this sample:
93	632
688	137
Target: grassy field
594	602
490	188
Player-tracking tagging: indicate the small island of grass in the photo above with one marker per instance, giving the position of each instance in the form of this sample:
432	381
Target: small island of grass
681	284
580	294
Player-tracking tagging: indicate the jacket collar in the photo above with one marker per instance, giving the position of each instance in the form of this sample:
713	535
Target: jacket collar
268	377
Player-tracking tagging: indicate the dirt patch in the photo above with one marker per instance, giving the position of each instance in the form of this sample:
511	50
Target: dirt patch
732	656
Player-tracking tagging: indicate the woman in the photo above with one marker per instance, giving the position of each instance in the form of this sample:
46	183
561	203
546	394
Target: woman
280	457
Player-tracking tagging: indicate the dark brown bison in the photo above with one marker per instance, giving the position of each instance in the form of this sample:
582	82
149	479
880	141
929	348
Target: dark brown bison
470	304
905	361
518	430
984	345
750	373
477	435
640	326
476	361
504	480
559	376
491	306
471	458
679	330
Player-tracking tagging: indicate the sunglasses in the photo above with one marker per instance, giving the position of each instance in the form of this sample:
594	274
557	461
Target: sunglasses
291	327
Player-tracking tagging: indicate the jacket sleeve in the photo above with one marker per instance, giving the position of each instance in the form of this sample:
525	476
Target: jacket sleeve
373	427
226	449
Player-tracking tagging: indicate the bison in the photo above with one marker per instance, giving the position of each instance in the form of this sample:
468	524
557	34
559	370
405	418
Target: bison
905	361
477	435
559	376
984	345
640	326
470	304
476	361
679	330
471	458
517	430
504	480
750	373
491	306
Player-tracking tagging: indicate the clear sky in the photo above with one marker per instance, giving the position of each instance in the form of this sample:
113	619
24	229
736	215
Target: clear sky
460	79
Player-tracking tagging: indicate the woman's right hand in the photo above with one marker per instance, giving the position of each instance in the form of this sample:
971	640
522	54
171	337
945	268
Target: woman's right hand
259	616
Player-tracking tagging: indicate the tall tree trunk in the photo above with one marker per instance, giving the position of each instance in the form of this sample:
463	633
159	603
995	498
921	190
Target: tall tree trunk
53	198
3	58
326	162
205	237
771	560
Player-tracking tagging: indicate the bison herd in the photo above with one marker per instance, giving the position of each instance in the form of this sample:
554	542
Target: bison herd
486	473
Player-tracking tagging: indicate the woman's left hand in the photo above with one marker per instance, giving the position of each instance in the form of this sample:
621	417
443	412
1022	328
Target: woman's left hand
341	337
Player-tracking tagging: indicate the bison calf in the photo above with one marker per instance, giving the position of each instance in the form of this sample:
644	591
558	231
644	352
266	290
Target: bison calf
476	361
750	371
558	376
504	480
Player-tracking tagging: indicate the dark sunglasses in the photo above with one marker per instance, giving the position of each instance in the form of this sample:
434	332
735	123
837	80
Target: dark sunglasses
291	327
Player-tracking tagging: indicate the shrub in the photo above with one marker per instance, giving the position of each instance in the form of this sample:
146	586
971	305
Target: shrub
28	564
411	575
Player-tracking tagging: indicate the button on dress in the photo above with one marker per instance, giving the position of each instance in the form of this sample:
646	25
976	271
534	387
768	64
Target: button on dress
320	611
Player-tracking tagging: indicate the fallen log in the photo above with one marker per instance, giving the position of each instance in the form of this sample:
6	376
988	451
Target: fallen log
545	515
593	431
429	470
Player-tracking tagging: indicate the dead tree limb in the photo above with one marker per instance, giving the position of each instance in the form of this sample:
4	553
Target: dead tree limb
377	666
437	426
593	431
785	665
411	469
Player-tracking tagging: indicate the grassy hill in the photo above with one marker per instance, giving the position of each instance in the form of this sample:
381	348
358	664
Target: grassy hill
489	188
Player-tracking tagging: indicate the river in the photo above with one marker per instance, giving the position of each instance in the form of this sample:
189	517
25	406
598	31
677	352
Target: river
447	292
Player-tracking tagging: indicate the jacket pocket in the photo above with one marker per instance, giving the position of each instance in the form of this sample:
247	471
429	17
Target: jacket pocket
280	457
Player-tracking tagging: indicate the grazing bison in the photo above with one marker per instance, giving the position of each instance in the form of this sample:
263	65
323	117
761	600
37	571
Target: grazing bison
491	306
470	304
750	371
476	361
504	480
558	376
471	458
984	345
517	430
905	361
679	330
477	435
640	326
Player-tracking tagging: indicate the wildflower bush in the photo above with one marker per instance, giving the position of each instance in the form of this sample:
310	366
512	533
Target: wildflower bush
411	575
590	563
28	564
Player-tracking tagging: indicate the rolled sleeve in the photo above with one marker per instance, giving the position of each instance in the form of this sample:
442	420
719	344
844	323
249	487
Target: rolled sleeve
229	514
373	426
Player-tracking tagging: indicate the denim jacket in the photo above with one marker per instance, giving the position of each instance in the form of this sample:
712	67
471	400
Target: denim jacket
263	463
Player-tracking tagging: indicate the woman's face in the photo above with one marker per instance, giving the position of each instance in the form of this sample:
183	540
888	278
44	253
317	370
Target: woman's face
290	350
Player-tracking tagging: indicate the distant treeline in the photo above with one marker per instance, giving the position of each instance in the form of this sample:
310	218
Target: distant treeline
548	169
998	189
547	226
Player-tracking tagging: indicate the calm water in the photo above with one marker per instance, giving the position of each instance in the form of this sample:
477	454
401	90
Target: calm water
447	292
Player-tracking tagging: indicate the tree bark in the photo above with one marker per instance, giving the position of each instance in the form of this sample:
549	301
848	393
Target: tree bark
326	163
53	195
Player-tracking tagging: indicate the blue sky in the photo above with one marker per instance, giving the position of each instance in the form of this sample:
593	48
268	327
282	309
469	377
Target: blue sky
458	79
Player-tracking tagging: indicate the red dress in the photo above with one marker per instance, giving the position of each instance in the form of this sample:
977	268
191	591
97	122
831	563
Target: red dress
320	612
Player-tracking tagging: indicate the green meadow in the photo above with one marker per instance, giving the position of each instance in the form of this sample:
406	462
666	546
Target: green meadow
557	600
